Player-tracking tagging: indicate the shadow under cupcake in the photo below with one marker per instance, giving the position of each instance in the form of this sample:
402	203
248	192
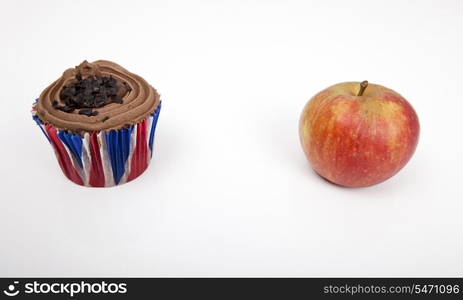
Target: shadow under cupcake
101	120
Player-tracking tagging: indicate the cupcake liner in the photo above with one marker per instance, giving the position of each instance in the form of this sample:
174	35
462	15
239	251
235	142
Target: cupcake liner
104	158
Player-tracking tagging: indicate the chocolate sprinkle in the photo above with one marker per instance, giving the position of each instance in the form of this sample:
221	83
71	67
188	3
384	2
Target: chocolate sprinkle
91	92
88	112
117	100
67	109
105	119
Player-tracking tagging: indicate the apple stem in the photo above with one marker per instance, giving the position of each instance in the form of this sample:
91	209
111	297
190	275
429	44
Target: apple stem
363	86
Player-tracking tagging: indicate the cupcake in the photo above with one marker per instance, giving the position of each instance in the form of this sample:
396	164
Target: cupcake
100	120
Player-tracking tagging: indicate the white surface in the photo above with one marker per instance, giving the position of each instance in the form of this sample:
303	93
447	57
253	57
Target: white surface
229	192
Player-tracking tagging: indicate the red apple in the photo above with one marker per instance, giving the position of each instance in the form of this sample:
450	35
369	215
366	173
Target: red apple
358	134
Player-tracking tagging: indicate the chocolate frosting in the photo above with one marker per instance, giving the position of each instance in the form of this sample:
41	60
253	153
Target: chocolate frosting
139	101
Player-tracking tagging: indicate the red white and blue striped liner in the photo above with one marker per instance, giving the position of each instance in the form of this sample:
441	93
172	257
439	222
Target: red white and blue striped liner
105	158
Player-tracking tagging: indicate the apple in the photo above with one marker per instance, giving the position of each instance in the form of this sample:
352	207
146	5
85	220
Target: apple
356	134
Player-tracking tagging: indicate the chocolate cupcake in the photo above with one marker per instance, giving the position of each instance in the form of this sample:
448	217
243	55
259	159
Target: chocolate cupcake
100	120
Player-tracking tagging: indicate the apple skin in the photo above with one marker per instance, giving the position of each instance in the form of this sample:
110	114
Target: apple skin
358	141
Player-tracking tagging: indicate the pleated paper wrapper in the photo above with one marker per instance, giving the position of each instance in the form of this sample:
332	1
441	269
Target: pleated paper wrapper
104	158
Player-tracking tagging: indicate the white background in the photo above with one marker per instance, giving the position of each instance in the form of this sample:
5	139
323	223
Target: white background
229	192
